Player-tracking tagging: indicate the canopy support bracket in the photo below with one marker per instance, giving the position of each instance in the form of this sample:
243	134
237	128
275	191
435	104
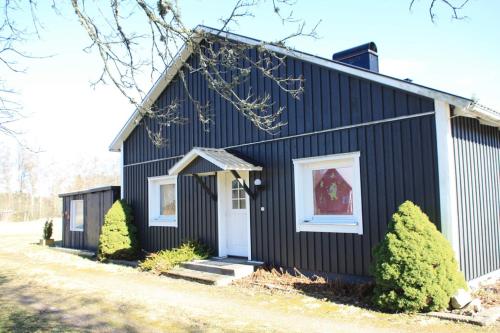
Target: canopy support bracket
205	186
237	176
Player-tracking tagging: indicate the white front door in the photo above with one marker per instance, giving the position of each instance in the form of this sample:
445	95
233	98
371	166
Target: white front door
234	222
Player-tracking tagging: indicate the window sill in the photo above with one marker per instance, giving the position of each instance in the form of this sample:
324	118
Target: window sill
336	227
76	230
163	223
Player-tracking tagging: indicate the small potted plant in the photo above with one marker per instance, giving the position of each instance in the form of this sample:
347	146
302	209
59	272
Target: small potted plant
47	234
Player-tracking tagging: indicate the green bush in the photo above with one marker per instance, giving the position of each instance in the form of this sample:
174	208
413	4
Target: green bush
118	238
415	269
165	260
47	230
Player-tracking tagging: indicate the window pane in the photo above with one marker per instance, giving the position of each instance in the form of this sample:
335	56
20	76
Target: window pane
235	204
79	215
242	204
242	194
167	199
235	194
333	191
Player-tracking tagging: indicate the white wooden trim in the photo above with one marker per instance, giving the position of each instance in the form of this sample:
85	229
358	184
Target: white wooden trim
464	104
221	214
303	195
155	91
154	217
72	215
199	152
330	130
446	172
222	206
122	170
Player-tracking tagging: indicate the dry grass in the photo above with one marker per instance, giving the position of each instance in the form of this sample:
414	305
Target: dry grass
42	290
282	281
489	295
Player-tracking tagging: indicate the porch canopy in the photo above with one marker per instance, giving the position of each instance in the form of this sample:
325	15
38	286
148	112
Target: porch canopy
208	160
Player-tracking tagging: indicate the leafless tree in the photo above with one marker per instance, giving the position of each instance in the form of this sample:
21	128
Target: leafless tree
12	36
454	6
119	29
224	64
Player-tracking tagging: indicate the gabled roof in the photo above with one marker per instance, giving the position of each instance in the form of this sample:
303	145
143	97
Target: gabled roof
219	157
463	106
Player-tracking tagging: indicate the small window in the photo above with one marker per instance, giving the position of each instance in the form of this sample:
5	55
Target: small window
162	193
76	215
238	195
328	194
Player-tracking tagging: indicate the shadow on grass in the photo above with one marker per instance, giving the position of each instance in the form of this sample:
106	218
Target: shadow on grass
23	308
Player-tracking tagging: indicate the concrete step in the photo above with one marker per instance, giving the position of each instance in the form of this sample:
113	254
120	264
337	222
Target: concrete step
227	267
200	276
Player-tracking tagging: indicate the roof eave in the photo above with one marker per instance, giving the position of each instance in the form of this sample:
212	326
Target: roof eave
151	96
484	115
460	103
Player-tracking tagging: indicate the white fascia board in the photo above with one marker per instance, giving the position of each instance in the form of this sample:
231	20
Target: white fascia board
151	97
356	71
183	162
458	101
199	152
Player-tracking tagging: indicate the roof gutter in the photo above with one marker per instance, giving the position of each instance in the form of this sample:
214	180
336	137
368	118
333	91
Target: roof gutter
485	115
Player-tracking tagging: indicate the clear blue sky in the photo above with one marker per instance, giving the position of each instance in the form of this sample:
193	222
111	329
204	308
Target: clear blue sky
69	120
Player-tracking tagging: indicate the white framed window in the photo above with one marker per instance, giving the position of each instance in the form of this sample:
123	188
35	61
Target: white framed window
76	215
162	198
238	199
328	194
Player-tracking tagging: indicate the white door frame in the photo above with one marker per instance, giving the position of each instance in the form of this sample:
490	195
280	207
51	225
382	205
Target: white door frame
222	206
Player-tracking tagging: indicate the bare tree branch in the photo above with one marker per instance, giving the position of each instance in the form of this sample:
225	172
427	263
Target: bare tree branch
225	65
454	6
12	35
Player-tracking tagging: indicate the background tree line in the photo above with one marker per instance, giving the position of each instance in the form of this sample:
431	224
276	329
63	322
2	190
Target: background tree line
29	190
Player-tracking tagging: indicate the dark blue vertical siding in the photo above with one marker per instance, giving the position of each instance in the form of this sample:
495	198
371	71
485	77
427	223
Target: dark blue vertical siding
477	167
197	211
95	206
71	239
398	162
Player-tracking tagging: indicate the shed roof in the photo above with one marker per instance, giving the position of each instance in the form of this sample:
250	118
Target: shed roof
464	106
219	157
92	190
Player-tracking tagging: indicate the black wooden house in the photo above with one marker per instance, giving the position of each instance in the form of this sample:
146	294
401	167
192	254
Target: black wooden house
318	194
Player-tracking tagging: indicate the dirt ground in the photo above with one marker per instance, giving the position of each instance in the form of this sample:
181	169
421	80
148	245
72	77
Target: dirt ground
43	290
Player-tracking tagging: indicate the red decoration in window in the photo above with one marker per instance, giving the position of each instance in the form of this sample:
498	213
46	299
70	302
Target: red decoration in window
332	193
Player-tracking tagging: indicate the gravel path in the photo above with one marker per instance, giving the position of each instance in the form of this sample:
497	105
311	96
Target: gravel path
63	292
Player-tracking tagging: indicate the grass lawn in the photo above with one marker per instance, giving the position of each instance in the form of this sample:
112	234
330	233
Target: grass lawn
42	290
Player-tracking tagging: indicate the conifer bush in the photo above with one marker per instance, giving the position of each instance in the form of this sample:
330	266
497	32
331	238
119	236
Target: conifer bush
415	269
118	239
165	260
47	229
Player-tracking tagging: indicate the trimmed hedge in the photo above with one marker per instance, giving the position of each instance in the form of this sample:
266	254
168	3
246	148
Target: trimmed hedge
165	260
415	269
118	239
